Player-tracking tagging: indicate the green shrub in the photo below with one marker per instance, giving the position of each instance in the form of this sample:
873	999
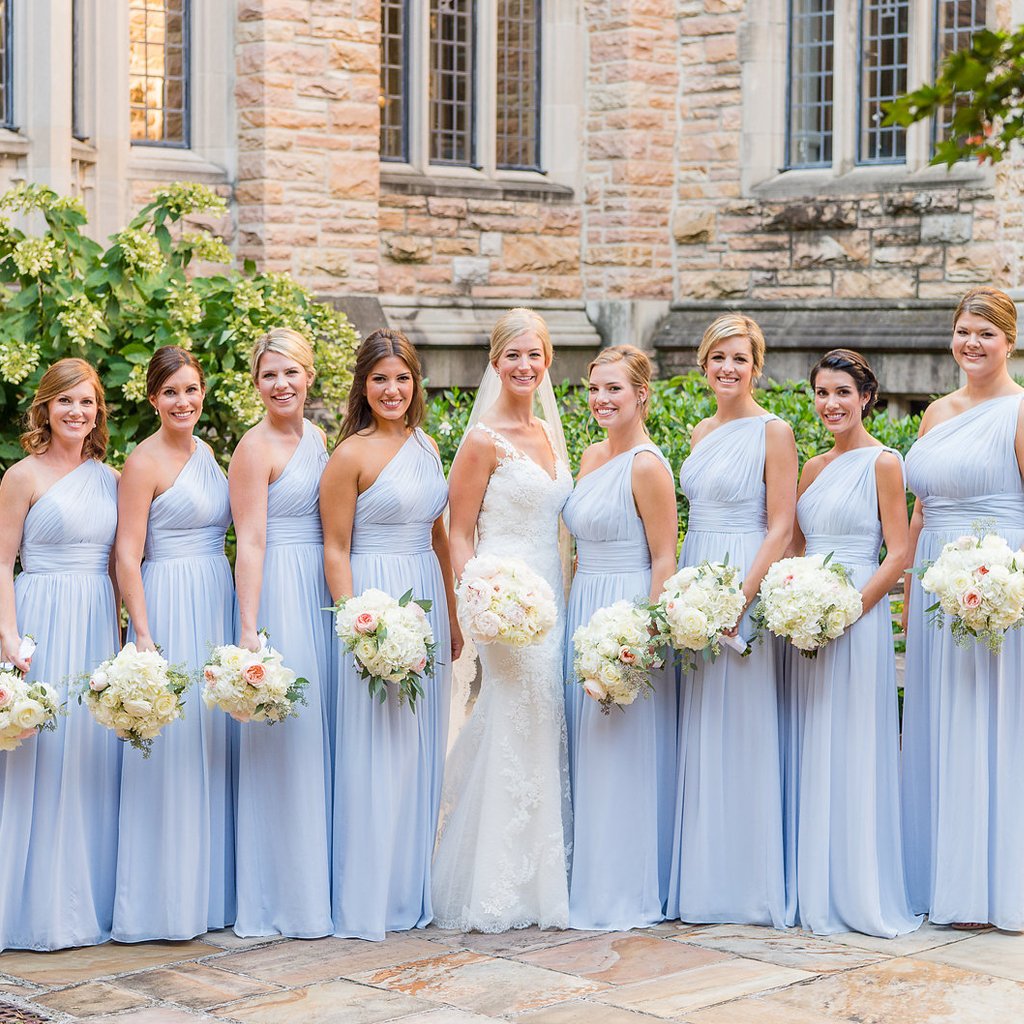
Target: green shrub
65	295
676	406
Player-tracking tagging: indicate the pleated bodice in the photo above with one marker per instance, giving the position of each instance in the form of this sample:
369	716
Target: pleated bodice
396	513
293	499
58	538
190	518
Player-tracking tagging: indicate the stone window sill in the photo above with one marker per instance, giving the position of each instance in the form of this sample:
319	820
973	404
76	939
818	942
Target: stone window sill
468	184
13	143
174	165
825	182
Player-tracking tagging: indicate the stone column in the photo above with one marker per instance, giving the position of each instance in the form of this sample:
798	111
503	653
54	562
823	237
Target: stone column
308	138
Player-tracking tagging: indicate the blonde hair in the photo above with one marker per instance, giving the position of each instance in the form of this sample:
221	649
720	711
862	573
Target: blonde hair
732	325
64	375
515	323
285	342
994	306
638	368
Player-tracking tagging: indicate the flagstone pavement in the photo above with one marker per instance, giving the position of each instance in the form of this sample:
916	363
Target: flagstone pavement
712	974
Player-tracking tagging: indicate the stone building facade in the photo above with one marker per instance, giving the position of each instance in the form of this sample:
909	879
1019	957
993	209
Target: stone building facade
666	160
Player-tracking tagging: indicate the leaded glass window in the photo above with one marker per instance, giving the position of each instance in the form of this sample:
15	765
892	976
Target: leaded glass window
884	27
393	80
811	56
518	85
452	38
158	72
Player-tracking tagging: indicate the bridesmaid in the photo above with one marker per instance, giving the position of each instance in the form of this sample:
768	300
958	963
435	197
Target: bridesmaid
963	762
621	765
176	834
740	480
59	790
382	496
844	854
284	792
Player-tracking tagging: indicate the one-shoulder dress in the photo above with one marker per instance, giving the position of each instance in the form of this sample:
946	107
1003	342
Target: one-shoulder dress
727	861
844	854
282	849
59	790
176	842
963	713
390	760
621	765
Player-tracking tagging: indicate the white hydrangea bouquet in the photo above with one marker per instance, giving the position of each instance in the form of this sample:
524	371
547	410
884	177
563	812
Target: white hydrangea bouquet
979	583
252	686
136	693
391	640
615	653
503	601
25	708
808	601
696	605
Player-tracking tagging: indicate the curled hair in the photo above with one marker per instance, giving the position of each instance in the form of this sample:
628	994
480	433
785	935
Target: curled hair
638	368
378	345
992	305
166	362
732	325
845	360
515	323
64	375
285	342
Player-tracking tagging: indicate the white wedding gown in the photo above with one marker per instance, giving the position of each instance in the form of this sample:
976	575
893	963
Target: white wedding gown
502	852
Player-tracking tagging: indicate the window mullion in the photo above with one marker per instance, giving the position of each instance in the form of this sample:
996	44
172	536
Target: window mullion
845	90
486	51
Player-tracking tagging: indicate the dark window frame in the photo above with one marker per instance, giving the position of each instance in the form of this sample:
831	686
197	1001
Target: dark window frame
403	127
895	132
788	163
7	70
538	106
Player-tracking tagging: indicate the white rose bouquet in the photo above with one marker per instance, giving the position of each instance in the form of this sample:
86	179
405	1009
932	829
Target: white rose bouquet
252	686
615	653
391	640
697	604
136	693
25	708
808	601
503	601
979	583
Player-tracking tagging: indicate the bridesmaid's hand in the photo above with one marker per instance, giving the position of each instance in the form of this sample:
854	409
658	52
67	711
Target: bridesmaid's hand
9	649
249	640
903	616
145	643
457	641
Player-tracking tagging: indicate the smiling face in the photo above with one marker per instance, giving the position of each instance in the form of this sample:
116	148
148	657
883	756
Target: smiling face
179	400
730	367
614	402
521	364
72	414
390	386
282	384
837	400
979	347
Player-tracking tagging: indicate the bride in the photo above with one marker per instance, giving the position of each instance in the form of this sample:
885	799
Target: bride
501	859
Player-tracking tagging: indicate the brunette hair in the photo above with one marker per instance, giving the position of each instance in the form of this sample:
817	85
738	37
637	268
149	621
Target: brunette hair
378	345
995	306
845	360
638	368
62	376
286	342
515	323
732	325
167	361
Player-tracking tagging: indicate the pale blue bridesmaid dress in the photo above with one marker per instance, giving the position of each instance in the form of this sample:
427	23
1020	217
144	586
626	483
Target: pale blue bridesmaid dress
844	853
963	713
621	765
284	793
727	863
390	761
175	856
59	790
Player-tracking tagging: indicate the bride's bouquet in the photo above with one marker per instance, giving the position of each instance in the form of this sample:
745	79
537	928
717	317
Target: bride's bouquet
697	604
252	686
807	601
503	601
979	583
391	640
136	693
25	708
615	653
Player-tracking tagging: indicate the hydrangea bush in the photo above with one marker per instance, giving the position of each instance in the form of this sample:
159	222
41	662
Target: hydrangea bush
65	294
